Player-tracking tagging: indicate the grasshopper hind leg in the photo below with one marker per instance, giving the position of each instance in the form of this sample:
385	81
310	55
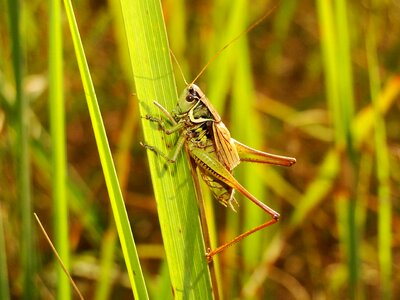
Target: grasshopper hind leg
221	191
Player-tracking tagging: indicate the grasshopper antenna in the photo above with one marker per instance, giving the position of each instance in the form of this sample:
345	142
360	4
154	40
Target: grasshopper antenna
179	66
232	41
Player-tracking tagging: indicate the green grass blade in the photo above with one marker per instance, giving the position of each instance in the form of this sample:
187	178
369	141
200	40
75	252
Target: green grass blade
178	42
284	16
382	169
163	285
346	102
103	289
117	203
59	169
219	73
28	257
172	184
335	43
247	130
78	191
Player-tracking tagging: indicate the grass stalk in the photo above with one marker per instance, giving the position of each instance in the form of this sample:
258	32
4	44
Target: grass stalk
346	102
382	168
114	191
22	155
59	165
172	184
108	247
337	63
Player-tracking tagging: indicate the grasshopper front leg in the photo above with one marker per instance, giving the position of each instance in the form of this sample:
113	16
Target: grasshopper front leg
176	126
165	112
173	155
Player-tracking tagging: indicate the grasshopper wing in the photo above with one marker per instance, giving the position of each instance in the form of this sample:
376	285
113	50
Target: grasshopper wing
224	146
204	100
247	153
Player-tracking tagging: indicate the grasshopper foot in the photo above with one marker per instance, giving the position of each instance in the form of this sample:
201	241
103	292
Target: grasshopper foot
144	145
151	118
148	147
209	257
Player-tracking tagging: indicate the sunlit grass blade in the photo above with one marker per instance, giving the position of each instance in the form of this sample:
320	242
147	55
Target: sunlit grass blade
382	169
59	168
172	184
219	73
177	27
116	199
386	98
122	157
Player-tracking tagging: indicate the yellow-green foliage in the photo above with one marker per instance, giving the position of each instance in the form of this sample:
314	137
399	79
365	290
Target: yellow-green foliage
317	81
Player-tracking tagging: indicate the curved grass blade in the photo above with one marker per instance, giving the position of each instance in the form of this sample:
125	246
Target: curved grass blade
117	203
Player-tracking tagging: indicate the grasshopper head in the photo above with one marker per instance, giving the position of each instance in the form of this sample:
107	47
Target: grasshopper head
195	103
190	96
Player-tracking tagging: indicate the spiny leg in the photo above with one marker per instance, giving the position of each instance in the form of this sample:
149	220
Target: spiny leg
174	128
214	168
275	218
173	155
211	253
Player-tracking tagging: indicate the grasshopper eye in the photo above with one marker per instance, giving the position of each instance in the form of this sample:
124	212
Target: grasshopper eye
192	95
190	98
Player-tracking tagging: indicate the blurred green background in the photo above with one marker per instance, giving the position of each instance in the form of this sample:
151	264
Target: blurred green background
316	80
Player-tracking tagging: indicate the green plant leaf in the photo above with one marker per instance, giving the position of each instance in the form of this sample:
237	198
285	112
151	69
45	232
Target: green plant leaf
172	183
114	191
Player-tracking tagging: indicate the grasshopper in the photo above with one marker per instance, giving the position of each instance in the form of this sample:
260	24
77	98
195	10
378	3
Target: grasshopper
212	150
